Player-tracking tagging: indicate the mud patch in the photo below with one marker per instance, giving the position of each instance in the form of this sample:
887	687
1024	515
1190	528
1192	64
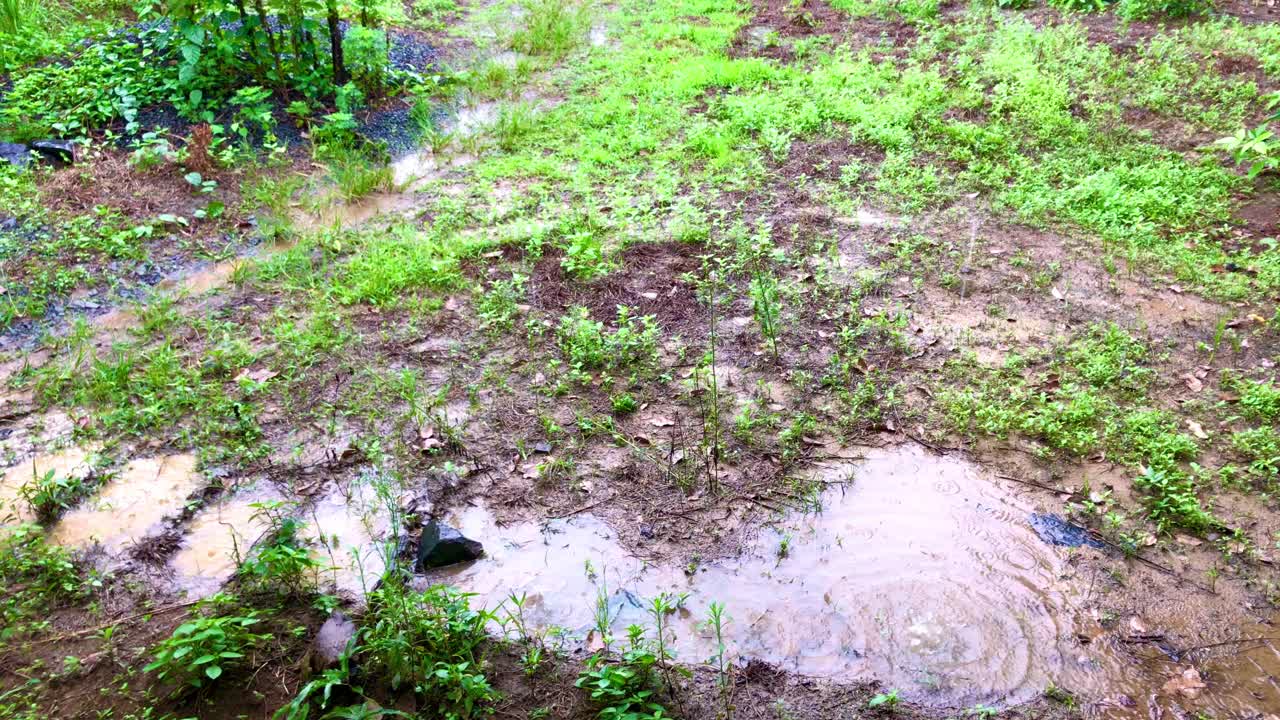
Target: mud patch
650	280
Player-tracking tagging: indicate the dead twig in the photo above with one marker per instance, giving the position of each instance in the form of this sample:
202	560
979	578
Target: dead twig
581	510
1183	653
1031	483
118	621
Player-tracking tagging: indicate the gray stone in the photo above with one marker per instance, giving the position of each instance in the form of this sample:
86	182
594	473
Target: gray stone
59	152
1055	530
331	641
441	545
15	154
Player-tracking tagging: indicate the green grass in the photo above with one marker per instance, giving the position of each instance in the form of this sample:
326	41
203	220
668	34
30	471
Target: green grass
550	27
972	109
36	577
1089	395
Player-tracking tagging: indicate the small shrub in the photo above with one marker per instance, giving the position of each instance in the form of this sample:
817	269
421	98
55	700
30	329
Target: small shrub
1143	9
205	648
587	345
1109	357
49	495
1172	501
884	701
367	59
433	642
552	27
498	306
1260	399
624	690
34	576
282	562
1261	447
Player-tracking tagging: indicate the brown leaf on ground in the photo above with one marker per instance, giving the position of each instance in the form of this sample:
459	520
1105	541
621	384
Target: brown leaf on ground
258	376
1188	684
1197	430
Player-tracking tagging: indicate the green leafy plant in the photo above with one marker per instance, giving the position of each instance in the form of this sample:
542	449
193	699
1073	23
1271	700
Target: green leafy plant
433	642
205	648
1143	9
50	494
587	345
1257	147
623	690
884	701
282	562
1172	501
367	60
34	577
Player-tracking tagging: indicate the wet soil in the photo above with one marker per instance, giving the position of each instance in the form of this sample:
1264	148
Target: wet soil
849	564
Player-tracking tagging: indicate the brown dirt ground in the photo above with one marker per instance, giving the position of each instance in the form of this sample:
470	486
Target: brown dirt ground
640	485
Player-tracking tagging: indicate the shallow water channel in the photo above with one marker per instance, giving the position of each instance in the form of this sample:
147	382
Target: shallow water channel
920	572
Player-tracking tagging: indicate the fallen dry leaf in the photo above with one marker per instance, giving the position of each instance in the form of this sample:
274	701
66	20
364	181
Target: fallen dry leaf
1193	383
1138	627
1197	430
258	376
1188	684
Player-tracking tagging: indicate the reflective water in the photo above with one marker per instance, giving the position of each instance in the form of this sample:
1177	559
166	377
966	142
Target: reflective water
350	530
919	573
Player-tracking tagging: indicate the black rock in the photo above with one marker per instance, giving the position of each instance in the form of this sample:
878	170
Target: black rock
59	152
15	154
331	641
1055	530
441	545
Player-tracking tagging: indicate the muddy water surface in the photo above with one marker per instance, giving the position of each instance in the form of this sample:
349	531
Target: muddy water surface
216	539
349	528
919	573
71	462
131	505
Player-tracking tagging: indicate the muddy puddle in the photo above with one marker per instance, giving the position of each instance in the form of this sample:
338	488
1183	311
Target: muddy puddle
216	539
351	532
346	528
131	505
72	462
920	572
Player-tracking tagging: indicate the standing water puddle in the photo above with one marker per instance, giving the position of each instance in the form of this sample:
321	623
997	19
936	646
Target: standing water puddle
215	541
71	462
918	573
131	505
